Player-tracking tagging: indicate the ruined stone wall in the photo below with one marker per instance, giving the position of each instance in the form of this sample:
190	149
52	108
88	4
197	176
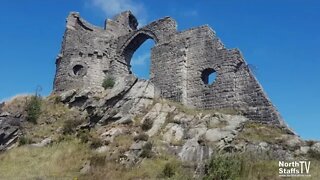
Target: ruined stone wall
83	59
180	64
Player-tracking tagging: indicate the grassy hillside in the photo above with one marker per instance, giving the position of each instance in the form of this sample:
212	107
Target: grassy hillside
73	153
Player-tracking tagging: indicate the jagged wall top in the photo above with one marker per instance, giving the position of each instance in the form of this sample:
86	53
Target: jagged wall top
180	64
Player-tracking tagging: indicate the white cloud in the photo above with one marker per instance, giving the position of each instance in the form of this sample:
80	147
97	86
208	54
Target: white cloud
113	7
140	60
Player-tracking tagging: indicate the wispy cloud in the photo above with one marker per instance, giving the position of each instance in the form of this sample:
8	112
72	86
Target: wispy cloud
113	7
140	60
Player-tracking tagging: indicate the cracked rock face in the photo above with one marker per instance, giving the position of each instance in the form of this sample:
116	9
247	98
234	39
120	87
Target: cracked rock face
181	133
133	123
120	104
9	130
192	136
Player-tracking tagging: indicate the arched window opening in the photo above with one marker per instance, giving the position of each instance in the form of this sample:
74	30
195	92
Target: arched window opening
141	60
208	76
78	70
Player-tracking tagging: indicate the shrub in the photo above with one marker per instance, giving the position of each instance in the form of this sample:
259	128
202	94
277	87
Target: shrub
169	170
310	142
97	160
57	99
314	154
141	137
95	142
69	126
223	167
147	124
108	82
33	108
147	150
84	136
24	140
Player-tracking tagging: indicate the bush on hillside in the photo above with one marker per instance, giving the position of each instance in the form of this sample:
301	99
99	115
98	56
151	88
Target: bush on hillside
108	82
147	150
223	166
147	124
33	108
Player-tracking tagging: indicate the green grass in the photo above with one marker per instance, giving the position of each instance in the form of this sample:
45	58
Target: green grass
33	108
54	115
241	167
223	166
61	160
257	132
314	154
64	158
23	140
108	82
251	166
153	168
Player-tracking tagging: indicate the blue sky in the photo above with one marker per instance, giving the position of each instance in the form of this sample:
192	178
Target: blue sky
280	38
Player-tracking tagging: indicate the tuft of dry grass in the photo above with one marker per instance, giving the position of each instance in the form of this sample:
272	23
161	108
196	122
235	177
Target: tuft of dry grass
153	168
257	132
16	104
59	161
54	115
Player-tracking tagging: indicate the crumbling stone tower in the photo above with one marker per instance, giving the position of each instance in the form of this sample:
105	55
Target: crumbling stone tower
180	64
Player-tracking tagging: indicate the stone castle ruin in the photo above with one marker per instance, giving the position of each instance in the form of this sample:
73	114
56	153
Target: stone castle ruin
181	63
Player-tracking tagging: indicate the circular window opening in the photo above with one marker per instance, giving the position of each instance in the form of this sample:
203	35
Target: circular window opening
208	76
78	70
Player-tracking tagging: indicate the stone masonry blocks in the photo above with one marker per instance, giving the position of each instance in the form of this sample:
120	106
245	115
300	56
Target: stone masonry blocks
179	61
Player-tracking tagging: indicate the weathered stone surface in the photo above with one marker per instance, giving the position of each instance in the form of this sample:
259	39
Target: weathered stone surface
102	149
67	95
216	134
194	152
85	168
137	145
43	143
182	118
293	141
224	127
304	150
196	132
316	147
180	65
158	115
9	130
174	133
136	100
111	134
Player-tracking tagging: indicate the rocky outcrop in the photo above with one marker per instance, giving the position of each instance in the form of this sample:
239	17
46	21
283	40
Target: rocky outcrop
9	130
192	135
120	104
130	123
